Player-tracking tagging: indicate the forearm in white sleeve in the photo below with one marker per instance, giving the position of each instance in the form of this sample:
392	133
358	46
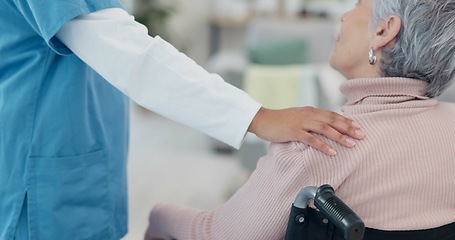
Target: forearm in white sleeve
157	76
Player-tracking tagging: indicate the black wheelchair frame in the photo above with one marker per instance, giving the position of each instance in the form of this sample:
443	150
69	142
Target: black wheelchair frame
334	220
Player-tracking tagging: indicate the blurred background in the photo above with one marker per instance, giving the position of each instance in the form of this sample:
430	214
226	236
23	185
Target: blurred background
275	50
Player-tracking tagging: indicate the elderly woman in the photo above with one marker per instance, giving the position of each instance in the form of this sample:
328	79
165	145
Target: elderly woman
398	56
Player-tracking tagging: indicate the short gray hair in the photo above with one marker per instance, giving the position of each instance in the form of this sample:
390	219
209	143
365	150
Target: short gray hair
425	46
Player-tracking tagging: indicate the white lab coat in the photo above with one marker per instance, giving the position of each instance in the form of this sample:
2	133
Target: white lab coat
157	76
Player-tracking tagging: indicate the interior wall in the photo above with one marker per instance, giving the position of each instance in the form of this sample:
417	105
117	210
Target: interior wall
188	28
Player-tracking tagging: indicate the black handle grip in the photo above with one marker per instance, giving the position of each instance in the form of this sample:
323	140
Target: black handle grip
339	213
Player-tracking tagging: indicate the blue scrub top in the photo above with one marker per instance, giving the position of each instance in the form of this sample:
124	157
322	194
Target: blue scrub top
63	130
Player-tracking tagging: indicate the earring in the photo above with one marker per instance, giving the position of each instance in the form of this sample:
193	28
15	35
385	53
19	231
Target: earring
371	57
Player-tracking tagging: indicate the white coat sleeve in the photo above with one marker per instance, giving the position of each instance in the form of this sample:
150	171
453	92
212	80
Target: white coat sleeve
157	76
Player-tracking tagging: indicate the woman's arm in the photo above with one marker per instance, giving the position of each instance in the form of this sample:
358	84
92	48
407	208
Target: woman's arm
260	208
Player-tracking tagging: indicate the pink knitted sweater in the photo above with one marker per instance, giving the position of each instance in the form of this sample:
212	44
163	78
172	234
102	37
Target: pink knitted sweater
400	177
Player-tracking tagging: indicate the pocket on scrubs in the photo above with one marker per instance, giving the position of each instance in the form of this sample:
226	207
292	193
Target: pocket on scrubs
68	197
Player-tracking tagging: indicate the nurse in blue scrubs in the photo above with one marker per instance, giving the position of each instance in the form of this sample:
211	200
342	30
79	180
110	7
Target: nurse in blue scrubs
67	69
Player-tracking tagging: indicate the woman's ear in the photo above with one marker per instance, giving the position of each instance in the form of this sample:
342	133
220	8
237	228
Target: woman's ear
386	32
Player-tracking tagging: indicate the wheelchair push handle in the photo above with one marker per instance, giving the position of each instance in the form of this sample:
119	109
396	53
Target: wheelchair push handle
334	209
339	213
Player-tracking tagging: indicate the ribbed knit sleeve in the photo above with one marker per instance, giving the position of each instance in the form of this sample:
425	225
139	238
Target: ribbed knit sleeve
260	208
170	221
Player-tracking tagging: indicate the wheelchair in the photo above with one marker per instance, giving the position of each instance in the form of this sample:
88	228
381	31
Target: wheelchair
334	220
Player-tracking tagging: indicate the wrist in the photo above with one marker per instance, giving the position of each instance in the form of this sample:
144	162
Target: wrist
257	122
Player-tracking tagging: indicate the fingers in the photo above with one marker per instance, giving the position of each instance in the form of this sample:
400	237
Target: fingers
330	132
297	124
316	143
332	125
345	126
320	145
330	121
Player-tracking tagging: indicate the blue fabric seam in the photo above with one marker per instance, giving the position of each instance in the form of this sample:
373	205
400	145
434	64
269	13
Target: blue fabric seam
29	142
35	102
13	228
83	9
67	16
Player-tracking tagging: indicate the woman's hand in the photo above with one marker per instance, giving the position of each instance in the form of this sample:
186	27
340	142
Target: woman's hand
295	124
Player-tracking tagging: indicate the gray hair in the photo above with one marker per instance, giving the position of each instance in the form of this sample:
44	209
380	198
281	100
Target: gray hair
425	46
